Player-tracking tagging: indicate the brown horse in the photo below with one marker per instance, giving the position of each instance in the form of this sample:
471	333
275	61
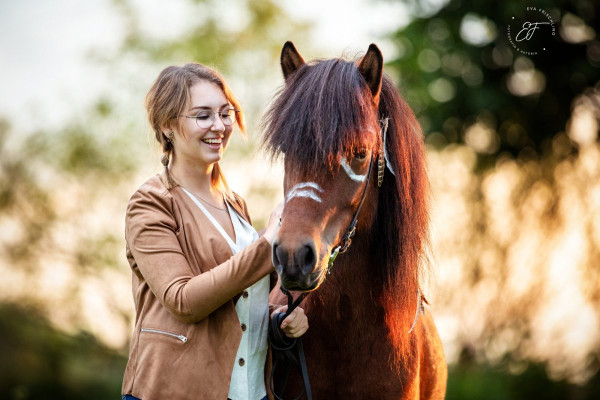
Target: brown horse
344	130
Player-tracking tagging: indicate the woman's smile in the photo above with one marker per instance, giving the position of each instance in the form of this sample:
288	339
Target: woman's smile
213	143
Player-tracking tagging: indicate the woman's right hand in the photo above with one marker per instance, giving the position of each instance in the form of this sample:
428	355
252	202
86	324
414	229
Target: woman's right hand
273	225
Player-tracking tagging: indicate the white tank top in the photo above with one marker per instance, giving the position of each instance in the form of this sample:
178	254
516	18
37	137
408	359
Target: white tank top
252	308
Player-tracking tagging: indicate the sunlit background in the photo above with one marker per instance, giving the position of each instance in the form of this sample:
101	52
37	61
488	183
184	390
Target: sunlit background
512	144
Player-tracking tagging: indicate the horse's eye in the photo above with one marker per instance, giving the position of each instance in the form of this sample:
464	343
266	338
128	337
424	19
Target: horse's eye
360	154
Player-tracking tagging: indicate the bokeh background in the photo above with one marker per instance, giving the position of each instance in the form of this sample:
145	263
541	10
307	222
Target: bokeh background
512	144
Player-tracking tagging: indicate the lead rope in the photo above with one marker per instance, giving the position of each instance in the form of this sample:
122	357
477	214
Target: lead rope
285	350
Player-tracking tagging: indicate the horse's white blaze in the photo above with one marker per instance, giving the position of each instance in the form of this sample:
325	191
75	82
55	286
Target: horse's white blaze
304	193
303	189
351	174
308	184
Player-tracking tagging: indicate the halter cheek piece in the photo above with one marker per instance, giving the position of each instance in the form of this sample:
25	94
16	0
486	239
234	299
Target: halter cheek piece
347	239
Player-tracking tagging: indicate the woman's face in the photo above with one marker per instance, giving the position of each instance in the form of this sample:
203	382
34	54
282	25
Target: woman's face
197	145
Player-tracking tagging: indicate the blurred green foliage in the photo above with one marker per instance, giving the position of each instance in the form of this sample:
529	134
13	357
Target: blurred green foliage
475	381
453	77
41	362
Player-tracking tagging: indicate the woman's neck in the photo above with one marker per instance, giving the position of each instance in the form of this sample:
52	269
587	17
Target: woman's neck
194	177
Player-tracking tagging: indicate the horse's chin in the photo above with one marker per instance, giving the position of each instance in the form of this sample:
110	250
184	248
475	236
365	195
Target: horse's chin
308	284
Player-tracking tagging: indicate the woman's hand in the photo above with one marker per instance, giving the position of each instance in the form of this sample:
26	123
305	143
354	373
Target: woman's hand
295	324
273	225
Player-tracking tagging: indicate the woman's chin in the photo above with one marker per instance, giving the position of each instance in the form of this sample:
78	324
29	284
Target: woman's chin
212	158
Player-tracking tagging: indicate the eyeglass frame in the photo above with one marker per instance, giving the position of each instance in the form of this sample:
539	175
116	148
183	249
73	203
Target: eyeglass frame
235	110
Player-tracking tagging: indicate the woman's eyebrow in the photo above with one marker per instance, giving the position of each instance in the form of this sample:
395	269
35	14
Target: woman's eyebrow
208	108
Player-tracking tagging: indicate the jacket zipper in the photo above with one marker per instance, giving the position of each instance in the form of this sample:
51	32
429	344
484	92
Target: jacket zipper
180	337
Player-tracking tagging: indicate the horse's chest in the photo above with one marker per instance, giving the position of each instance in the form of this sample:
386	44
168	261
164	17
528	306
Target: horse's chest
352	363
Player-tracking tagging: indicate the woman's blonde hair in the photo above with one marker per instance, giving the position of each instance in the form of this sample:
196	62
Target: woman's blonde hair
168	98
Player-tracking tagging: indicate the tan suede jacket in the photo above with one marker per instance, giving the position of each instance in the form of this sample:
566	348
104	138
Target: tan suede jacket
184	279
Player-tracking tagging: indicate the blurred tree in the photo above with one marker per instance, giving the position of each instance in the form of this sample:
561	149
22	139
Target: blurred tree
467	84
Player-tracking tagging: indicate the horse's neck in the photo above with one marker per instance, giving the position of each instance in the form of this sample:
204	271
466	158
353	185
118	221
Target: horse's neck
351	280
352	307
355	289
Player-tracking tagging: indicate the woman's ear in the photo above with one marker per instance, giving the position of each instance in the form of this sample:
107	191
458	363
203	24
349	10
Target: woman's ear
166	130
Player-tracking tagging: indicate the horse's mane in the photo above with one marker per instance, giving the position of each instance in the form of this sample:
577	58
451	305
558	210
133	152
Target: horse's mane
324	110
401	231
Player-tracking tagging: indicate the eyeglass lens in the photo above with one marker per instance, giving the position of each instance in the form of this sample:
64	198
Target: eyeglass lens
205	119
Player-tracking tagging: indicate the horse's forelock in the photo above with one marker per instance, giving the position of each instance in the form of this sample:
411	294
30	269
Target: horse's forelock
324	111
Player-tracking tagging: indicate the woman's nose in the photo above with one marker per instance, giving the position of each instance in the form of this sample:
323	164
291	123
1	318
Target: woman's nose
217	124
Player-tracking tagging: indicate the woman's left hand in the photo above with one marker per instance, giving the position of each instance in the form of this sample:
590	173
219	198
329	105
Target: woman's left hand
295	324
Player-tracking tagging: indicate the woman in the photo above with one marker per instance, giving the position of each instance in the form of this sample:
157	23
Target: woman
201	273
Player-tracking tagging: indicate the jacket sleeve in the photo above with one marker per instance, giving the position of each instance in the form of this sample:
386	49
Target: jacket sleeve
150	231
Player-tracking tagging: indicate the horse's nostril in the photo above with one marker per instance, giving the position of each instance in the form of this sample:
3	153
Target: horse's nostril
280	256
274	257
305	258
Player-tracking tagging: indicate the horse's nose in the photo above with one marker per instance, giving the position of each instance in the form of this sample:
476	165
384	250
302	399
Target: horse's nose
305	258
295	262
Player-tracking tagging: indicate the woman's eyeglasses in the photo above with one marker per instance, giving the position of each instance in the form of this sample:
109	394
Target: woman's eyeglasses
206	118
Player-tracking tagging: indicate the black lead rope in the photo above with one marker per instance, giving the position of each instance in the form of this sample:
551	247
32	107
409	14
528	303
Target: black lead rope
287	352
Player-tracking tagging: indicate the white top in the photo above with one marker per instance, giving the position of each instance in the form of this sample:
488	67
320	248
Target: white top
247	378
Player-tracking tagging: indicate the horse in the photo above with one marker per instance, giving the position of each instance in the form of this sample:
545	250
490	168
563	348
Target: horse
355	188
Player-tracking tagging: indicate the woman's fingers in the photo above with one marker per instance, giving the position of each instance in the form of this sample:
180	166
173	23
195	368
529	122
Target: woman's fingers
296	331
295	324
291	320
281	309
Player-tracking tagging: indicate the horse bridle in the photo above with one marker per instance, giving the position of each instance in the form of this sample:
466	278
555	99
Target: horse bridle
351	231
347	239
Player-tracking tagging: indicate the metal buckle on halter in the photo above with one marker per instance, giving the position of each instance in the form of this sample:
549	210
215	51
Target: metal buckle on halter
348	240
347	244
352	232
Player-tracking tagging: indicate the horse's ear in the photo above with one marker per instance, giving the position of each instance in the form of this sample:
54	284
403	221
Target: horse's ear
371	68
291	59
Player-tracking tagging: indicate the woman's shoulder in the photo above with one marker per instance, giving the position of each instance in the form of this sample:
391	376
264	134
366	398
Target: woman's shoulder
150	206
153	191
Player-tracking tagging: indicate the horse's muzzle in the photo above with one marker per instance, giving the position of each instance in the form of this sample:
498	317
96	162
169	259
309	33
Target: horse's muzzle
296	265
